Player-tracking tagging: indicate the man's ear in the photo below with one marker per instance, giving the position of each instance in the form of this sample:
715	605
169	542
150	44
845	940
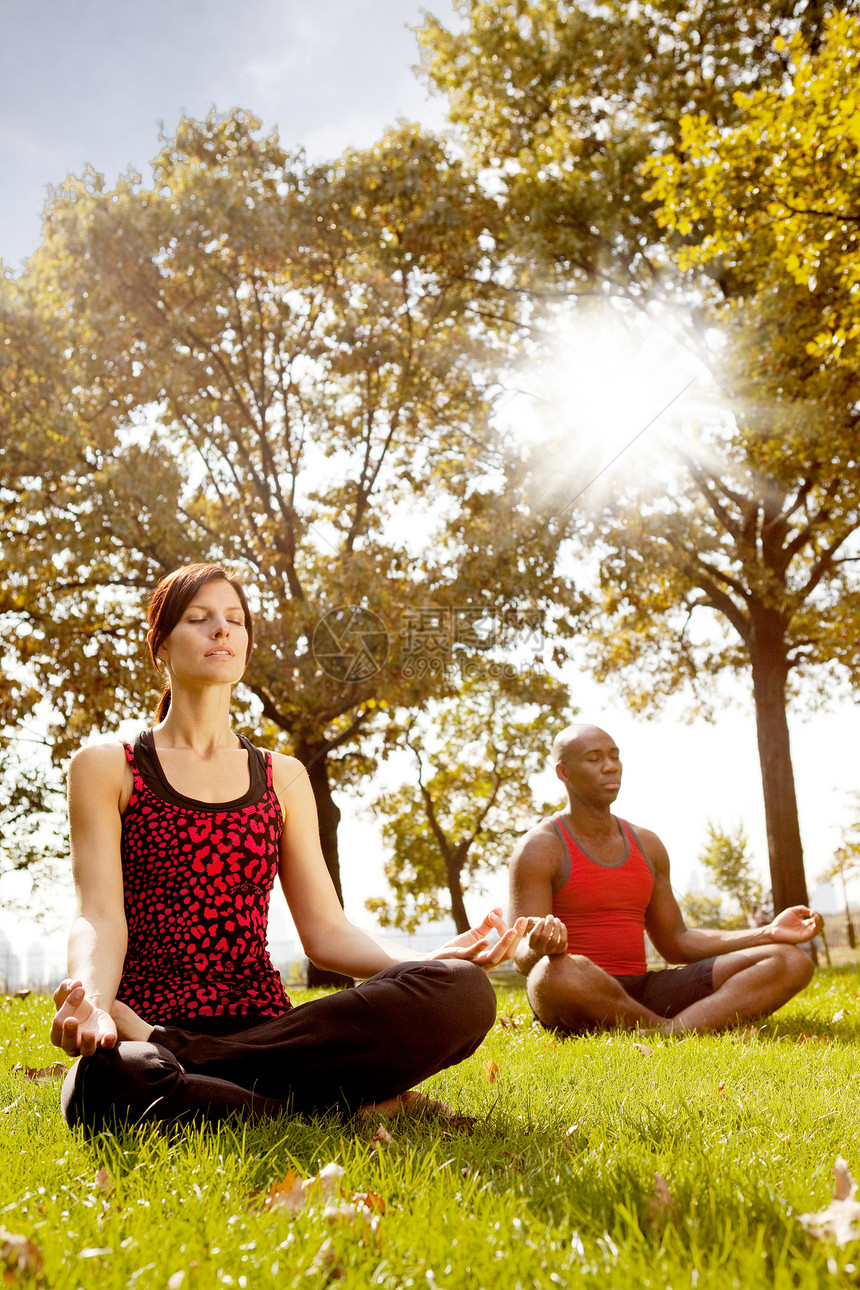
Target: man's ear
560	772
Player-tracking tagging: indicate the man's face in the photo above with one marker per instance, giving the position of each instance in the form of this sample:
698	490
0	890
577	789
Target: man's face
590	767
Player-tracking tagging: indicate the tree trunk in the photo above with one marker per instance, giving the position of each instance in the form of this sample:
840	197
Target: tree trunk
313	757
769	659
453	869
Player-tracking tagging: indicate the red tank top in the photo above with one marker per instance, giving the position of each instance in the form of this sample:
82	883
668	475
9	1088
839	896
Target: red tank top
603	906
197	878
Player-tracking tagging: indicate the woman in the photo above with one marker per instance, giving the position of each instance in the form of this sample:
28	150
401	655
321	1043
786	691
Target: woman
175	845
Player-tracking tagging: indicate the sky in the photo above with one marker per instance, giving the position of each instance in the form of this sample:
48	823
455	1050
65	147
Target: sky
92	83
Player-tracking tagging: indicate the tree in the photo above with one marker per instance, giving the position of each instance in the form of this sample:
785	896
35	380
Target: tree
751	523
726	857
475	756
777	195
845	866
702	911
562	102
264	363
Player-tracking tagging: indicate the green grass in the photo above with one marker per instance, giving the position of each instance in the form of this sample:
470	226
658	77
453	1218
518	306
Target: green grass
551	1188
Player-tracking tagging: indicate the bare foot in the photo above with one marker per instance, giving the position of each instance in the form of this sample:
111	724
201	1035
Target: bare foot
128	1024
411	1101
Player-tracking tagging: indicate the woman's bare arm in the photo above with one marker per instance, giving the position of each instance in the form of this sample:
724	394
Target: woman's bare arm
99	782
328	937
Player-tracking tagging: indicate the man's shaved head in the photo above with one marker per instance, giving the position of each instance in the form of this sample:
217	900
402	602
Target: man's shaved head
573	739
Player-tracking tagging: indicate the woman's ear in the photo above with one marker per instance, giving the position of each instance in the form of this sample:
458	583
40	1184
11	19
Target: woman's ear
160	656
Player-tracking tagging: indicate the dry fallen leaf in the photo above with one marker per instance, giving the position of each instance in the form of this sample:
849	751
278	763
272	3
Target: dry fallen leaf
326	1260
20	1255
511	1022
288	1194
840	1222
381	1137
39	1075
644	1050
661	1205
104	1183
293	1192
490	1072
327	1179
370	1200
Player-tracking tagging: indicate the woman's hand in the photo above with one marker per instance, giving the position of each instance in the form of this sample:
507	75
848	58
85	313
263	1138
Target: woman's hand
475	946
79	1027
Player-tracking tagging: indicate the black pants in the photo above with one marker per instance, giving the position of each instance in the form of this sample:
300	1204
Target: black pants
338	1052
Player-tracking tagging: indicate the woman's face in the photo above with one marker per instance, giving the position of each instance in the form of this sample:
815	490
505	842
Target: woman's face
210	641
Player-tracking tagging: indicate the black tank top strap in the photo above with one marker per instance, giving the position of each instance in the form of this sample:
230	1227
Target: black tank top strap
145	764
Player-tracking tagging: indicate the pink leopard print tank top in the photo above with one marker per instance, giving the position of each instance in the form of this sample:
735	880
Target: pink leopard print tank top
197	879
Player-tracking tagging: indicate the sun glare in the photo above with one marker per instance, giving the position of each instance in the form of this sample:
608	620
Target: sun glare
612	389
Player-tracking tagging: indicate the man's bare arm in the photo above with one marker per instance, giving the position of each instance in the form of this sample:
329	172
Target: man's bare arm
534	868
679	943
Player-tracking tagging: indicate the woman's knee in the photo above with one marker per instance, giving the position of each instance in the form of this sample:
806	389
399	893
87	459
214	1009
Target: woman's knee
118	1085
476	991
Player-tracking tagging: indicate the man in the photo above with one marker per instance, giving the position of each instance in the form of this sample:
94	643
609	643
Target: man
593	884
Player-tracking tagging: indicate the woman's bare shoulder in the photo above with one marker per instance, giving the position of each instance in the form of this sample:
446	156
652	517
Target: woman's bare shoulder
104	758
287	773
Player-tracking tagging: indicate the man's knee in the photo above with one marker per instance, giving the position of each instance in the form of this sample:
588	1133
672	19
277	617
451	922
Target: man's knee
118	1085
559	985
796	965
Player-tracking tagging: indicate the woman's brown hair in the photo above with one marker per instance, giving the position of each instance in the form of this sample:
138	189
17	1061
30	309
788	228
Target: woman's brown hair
169	601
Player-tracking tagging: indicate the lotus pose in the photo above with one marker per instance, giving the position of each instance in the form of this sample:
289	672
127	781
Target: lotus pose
592	884
172	1003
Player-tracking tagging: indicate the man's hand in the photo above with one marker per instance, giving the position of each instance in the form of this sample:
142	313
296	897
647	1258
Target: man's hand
474	945
547	936
795	925
79	1027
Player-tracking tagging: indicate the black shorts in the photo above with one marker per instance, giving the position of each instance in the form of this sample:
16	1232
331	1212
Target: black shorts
667	991
670	990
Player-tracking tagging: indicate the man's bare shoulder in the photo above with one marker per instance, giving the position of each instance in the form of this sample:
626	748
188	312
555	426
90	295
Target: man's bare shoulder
652	847
541	845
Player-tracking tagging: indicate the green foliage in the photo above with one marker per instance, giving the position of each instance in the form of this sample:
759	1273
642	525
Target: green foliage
32	837
776	197
563	102
729	864
475	756
555	1183
700	910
